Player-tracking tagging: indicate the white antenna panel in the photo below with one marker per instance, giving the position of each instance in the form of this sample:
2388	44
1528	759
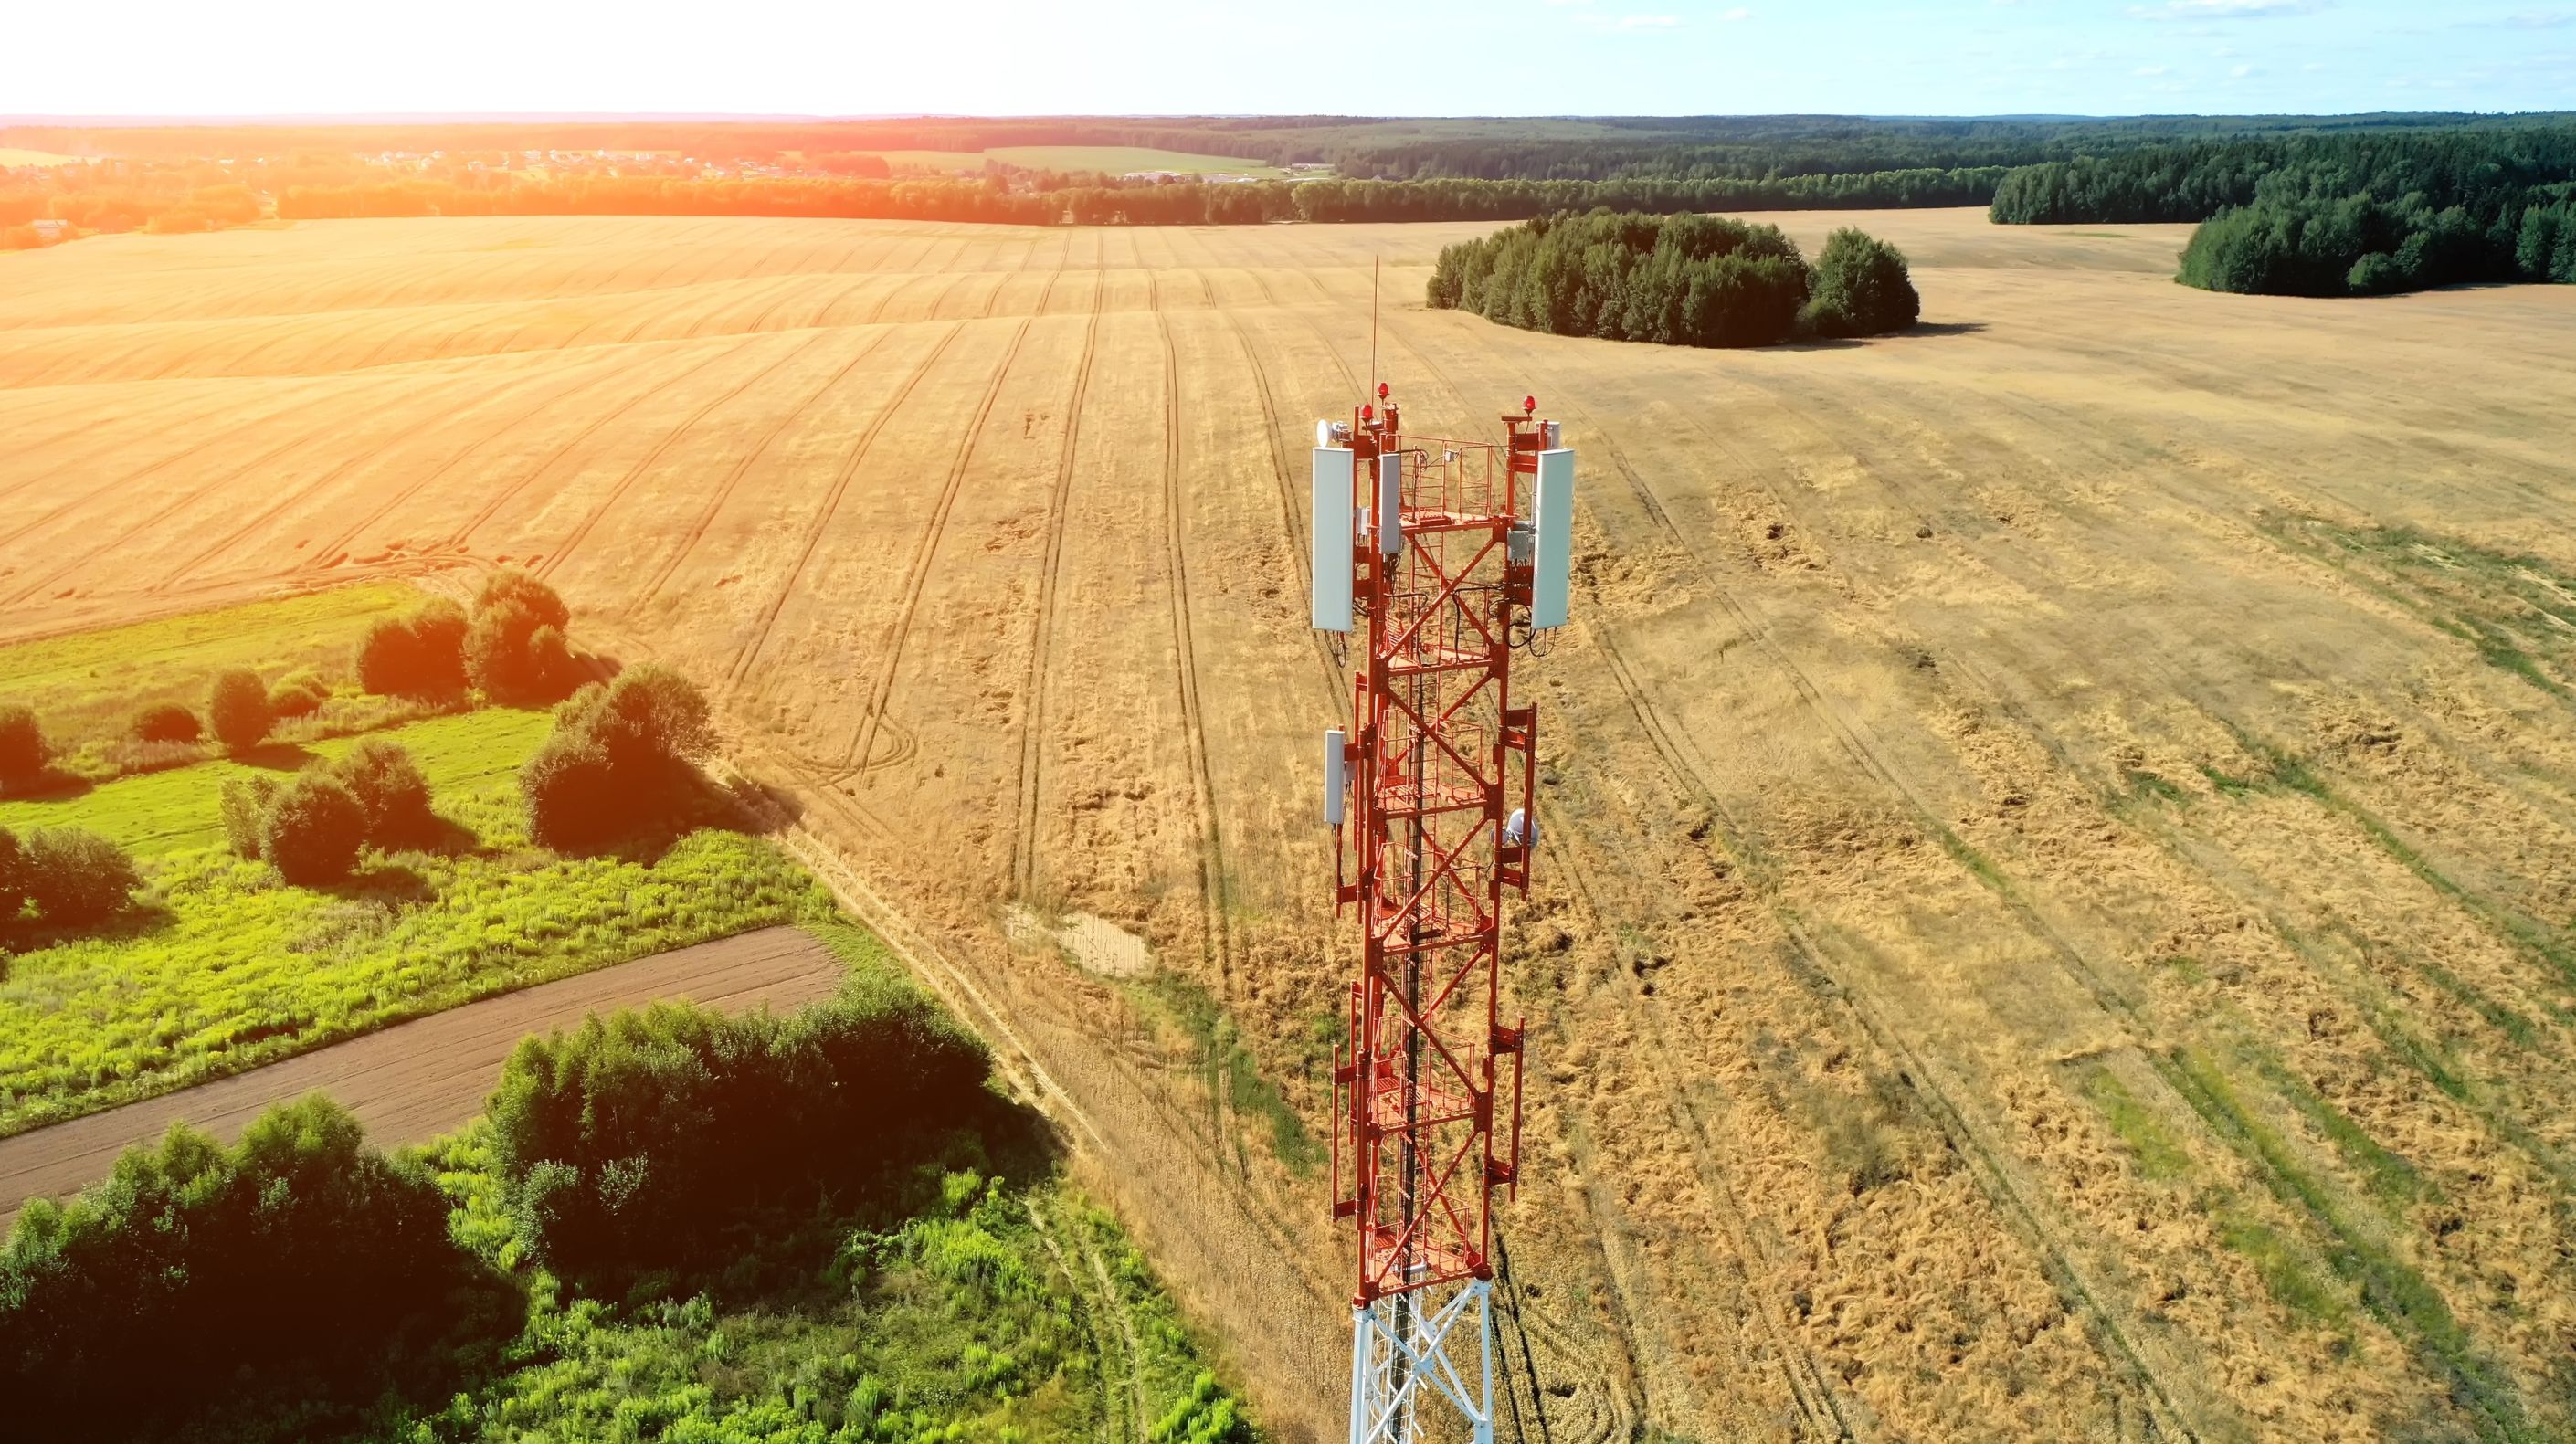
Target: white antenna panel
1331	538
1336	776
1390	504
1552	553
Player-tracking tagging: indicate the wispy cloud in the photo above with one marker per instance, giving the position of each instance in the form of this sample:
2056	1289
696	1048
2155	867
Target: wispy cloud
2226	9
1738	13
2151	71
1646	22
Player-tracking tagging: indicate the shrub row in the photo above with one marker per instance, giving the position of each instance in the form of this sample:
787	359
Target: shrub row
300	1265
621	1140
513	648
1679	280
312	828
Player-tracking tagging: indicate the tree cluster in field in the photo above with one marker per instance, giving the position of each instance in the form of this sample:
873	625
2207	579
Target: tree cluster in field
302	1282
2340	215
513	649
60	878
313	827
1683	280
623	757
621	1139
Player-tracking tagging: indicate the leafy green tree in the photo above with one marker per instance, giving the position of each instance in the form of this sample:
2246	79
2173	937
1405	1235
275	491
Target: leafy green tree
391	792
24	752
166	722
296	1272
237	709
76	879
1861	287
243	802
620	755
420	655
313	829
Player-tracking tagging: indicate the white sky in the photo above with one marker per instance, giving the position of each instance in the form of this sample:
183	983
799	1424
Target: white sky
1437	57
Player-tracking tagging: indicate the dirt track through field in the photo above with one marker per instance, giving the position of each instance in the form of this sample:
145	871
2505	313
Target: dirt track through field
416	1080
2058	912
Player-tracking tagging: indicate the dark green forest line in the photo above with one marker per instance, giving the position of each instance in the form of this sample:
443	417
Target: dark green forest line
1746	147
2342	215
1173	203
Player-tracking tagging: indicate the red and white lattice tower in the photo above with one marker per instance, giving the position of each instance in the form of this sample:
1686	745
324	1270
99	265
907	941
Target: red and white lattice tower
1449	556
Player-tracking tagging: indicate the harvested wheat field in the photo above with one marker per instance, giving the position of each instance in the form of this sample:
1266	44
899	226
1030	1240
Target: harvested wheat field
2055	919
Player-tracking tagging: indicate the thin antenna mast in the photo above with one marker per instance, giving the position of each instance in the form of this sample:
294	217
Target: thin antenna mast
1372	323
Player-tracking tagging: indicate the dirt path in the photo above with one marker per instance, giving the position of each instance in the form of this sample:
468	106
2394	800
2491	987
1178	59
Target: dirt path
412	1082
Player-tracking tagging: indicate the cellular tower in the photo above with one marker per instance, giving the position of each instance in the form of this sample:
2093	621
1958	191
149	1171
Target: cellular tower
1448	557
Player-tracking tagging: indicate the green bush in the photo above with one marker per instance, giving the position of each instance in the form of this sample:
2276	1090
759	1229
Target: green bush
75	879
13	878
237	709
516	657
1861	288
295	1269
510	585
166	722
24	752
300	695
390	791
244	801
624	1140
622	755
421	655
311	832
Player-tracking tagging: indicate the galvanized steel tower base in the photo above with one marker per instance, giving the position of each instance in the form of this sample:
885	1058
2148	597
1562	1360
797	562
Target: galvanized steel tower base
1393	1362
1454	555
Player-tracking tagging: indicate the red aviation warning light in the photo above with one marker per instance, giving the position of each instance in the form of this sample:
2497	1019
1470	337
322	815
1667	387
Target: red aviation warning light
1451	554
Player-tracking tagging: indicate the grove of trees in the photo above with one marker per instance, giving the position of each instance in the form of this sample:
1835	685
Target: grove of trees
622	757
1684	280
2333	215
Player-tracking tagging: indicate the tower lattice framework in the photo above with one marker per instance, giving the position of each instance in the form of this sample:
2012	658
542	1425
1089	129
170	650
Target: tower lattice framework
1440	768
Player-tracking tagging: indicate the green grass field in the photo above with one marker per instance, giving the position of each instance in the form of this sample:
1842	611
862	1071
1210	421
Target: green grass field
164	812
86	687
226	967
1115	159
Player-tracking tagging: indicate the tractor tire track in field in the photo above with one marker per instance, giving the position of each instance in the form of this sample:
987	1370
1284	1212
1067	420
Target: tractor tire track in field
554	559
1996	1180
148	468
823	515
1985	1157
118	441
724	491
1024	823
491	508
1292	517
1082	1289
289	499
1828	1409
917	576
336	550
160	514
1214	938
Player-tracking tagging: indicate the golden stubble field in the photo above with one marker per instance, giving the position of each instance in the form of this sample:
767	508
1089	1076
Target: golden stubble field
2055	918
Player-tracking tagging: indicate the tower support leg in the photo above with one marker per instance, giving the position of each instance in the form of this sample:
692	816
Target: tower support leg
1441	1356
